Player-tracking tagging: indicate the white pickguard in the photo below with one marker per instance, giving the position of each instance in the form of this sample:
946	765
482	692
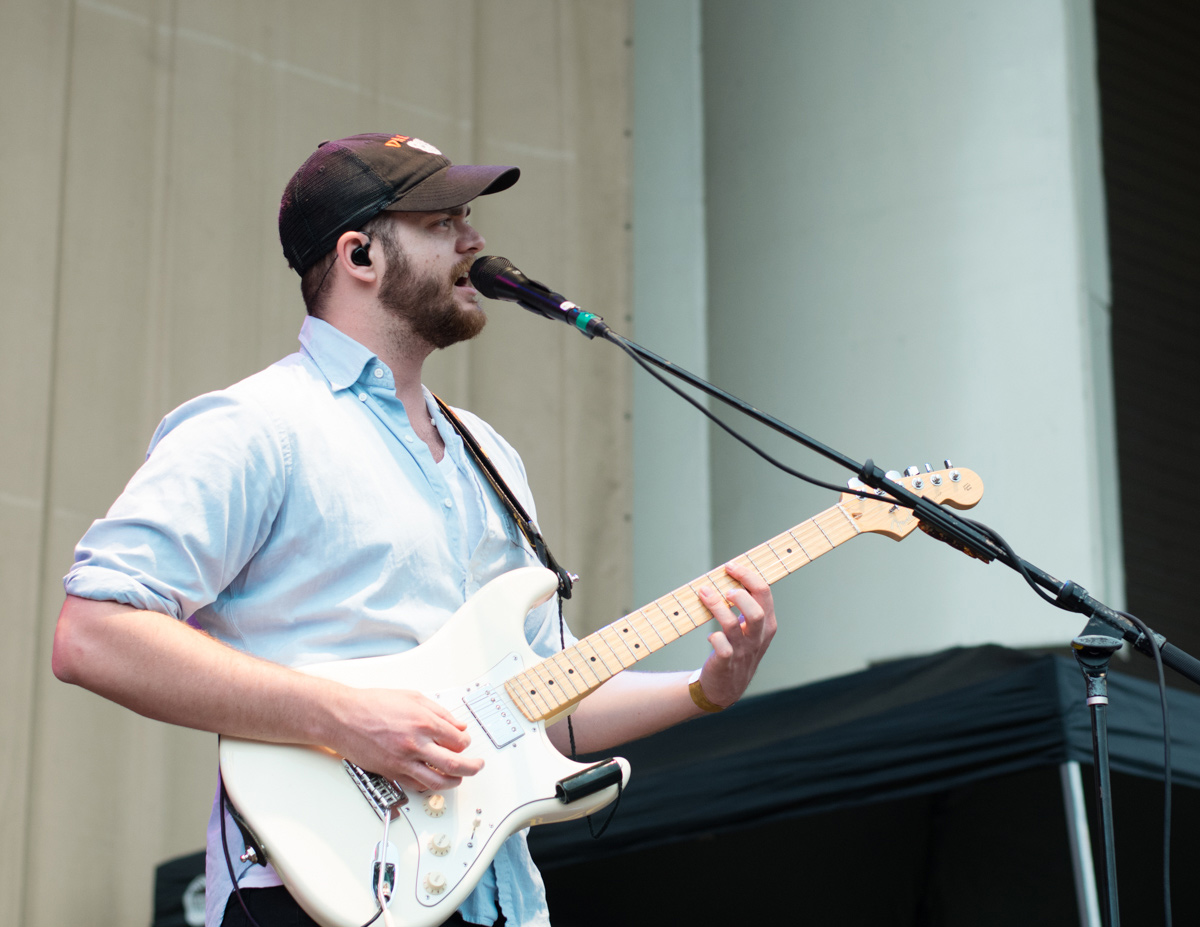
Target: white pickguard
321	834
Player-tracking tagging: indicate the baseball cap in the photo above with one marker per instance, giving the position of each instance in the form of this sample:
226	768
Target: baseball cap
346	182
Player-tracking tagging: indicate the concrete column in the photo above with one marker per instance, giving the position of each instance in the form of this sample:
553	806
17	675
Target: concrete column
906	260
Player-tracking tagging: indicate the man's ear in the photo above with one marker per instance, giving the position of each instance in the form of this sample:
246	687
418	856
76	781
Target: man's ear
353	251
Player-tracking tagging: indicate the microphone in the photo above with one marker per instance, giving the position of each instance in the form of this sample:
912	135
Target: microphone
497	278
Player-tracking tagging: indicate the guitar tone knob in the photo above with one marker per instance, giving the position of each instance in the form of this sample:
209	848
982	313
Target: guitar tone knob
435	883
435	805
439	844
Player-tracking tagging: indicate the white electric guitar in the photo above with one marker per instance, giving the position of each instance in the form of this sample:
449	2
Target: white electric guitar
320	820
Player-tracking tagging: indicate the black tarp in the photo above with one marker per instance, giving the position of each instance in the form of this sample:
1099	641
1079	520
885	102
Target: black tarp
868	753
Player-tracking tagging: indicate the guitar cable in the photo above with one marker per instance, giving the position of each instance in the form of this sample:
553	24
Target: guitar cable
237	891
596	834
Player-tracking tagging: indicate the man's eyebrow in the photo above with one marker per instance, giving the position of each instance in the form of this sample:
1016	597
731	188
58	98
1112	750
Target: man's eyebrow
464	210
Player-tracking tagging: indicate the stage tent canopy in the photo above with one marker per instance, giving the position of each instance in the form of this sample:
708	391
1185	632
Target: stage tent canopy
868	742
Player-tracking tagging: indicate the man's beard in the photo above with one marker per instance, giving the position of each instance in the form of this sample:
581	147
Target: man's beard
428	305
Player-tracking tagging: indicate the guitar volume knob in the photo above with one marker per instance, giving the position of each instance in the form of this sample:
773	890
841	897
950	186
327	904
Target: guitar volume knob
435	805
439	844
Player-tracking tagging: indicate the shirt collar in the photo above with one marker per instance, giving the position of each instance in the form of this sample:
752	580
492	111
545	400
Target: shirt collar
338	356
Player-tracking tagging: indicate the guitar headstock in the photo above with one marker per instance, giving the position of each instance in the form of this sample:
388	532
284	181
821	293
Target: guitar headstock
954	486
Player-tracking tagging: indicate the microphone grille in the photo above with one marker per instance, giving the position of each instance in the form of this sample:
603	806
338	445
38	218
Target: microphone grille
484	272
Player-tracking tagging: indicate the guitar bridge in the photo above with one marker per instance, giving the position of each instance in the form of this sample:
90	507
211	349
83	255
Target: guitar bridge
382	793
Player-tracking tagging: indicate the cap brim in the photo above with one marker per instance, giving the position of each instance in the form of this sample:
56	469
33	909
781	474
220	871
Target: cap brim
455	185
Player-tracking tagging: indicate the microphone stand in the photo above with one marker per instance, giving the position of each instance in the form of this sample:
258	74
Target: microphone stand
498	278
1093	646
942	523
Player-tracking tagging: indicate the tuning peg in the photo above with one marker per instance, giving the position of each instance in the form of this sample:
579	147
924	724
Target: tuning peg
893	475
928	468
949	465
912	471
855	483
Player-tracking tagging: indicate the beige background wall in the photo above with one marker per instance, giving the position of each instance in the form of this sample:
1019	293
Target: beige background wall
143	148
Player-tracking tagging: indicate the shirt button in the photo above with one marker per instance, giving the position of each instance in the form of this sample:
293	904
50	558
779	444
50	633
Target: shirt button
447	503
378	373
362	397
408	438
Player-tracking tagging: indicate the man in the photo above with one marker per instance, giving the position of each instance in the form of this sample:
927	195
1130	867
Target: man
326	509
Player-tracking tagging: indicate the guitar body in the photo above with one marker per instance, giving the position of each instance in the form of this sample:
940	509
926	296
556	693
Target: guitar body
321	832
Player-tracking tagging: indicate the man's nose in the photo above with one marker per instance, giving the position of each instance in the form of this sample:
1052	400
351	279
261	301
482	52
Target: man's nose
471	240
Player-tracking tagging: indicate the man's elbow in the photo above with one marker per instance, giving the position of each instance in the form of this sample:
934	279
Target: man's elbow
68	659
64	657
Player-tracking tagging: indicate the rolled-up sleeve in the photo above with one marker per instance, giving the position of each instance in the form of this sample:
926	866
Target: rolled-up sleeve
193	514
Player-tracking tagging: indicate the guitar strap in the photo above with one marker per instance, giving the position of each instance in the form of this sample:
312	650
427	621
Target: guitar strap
515	509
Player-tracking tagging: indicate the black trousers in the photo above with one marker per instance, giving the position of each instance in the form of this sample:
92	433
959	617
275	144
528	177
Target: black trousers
274	907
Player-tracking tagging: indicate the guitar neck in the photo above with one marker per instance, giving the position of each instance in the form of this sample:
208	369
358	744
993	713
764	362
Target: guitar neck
550	687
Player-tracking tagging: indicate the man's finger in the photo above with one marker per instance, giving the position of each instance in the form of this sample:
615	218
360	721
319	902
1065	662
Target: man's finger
719	608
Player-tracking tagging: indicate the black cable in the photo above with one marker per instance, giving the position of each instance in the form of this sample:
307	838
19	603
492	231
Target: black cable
229	860
597	834
864	494
1162	692
1017	563
562	640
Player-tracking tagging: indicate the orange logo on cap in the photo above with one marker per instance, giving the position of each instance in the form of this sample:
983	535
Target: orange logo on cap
397	140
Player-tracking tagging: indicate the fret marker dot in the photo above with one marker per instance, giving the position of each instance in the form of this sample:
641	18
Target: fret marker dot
593	659
549	682
533	691
570	671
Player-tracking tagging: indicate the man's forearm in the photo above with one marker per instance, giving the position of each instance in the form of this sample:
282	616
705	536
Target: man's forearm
169	671
629	706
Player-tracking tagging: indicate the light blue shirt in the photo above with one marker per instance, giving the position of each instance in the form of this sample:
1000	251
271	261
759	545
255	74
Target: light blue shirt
296	515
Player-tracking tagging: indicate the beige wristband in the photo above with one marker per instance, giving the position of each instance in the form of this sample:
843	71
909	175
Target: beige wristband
696	691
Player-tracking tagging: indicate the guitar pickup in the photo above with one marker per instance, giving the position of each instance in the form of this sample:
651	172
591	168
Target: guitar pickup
496	715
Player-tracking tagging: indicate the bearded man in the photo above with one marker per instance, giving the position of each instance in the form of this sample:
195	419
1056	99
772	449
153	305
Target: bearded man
325	509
